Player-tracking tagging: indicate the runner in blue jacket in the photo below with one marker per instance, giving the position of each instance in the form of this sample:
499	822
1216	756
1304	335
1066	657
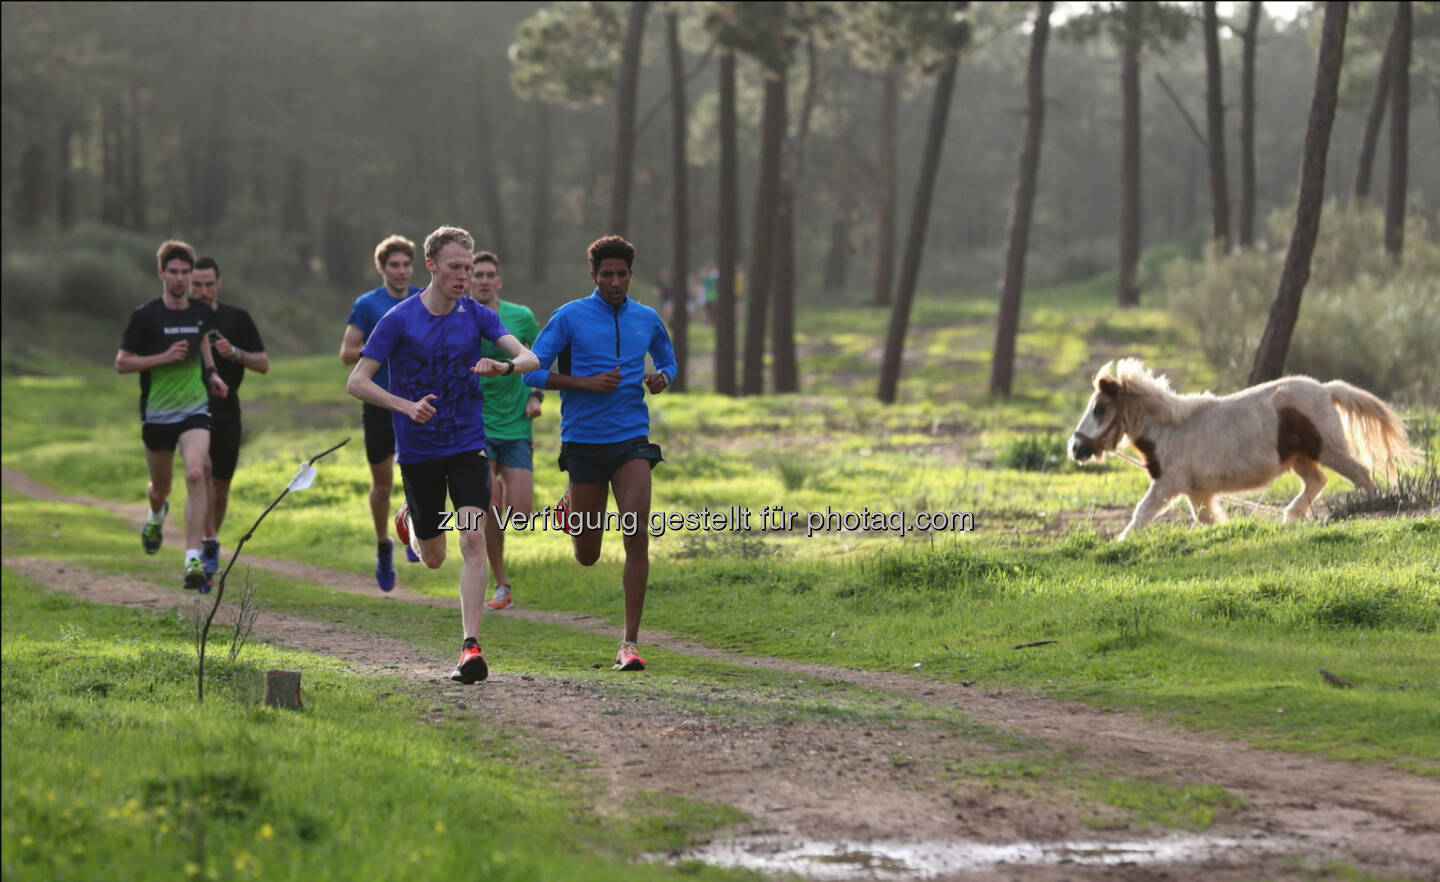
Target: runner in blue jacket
600	343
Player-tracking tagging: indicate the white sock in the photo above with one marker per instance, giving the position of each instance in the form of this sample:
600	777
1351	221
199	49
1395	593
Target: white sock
211	539
155	517
191	554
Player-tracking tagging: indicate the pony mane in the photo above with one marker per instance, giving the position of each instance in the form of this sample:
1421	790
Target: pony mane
1151	395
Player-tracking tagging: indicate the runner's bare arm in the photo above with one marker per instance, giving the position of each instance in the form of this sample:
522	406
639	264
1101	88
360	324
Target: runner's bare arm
351	344
523	359
218	387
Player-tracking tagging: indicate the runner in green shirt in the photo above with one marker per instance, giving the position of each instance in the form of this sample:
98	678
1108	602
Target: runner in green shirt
166	343
510	407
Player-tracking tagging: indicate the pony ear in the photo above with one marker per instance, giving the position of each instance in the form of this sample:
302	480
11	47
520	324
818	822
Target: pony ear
1108	386
1106	368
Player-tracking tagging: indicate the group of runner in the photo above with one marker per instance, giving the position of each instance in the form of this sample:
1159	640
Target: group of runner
451	378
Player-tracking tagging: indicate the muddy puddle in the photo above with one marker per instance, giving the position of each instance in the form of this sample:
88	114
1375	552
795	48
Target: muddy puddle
815	859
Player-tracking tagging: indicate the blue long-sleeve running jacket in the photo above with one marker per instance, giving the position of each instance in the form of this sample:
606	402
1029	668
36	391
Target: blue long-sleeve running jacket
589	336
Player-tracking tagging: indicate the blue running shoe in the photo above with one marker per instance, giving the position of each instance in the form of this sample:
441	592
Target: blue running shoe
210	556
410	555
385	566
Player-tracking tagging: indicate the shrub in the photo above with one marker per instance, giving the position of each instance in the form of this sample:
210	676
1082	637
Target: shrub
1362	318
1033	453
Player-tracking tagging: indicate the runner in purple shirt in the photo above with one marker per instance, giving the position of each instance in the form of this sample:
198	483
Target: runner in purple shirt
431	345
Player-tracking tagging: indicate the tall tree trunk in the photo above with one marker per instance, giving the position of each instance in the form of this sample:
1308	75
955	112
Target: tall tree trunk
65	177
30	189
1127	289
888	182
293	218
837	254
112	162
625	89
1215	126
767	197
728	240
915	240
489	170
680	187
137	214
1365	160
1002	367
786	373
540	229
1399	133
1247	128
1285	310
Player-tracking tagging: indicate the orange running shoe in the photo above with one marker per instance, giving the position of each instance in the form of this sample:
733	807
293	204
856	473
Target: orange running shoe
562	509
501	599
402	524
628	658
472	667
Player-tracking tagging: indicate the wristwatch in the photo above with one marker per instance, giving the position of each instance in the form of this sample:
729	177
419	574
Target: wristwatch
509	367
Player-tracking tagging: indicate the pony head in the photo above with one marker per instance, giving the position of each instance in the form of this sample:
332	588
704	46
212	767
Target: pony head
1099	429
1124	392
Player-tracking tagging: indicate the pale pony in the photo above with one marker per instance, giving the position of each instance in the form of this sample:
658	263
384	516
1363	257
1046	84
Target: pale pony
1201	445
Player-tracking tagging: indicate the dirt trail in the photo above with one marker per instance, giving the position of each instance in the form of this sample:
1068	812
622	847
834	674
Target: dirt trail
843	781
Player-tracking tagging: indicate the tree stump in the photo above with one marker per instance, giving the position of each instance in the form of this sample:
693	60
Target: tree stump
282	689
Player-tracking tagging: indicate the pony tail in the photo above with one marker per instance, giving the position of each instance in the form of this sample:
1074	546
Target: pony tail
1372	429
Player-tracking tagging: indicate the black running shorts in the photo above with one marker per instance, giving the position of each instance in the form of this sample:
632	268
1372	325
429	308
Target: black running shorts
379	433
164	436
224	449
467	475
598	463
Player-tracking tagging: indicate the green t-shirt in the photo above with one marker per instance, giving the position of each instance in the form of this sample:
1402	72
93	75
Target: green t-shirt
170	393
505	397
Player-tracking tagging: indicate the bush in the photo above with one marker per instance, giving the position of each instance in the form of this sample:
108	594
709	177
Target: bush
1033	453
1362	318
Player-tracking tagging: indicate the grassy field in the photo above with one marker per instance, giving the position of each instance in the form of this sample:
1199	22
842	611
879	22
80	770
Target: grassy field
1218	629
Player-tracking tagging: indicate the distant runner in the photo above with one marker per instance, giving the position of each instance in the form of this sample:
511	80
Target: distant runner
601	342
237	346
510	408
394	259
165	343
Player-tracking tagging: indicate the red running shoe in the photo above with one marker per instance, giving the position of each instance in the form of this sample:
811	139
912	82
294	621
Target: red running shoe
471	668
402	524
562	509
628	658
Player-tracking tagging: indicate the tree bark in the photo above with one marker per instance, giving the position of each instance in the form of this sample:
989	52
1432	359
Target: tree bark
915	240
1002	367
1215	127
112	162
489	173
136	213
680	187
1285	310
1399	133
1365	160
888	181
767	196
1246	220
728	244
1127	291
65	178
625	89
29	191
786	372
540	229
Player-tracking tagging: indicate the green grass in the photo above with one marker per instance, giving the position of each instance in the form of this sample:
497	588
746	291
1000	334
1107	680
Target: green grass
1219	629
365	783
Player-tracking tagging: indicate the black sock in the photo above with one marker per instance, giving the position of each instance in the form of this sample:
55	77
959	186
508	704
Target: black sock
469	642
384	546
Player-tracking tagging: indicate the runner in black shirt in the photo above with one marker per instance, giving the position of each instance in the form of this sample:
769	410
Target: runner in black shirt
237	346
